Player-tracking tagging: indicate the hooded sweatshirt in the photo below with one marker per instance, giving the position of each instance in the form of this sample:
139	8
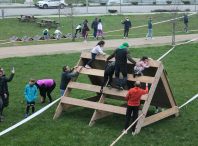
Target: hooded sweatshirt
30	93
149	24
127	24
134	96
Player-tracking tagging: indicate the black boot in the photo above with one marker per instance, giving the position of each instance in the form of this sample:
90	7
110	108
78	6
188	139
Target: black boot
134	75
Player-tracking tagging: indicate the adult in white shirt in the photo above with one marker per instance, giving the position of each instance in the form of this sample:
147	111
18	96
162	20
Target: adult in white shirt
100	29
57	32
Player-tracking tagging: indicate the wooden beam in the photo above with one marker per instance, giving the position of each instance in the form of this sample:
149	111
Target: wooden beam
106	90
159	116
150	96
94	105
100	73
86	55
59	109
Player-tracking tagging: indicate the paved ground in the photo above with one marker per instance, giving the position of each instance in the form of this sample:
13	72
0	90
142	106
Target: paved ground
32	50
99	9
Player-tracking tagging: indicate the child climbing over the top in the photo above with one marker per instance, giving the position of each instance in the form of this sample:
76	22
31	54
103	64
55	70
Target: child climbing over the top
96	50
141	65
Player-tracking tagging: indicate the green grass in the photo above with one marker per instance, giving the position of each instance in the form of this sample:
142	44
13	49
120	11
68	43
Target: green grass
11	27
72	127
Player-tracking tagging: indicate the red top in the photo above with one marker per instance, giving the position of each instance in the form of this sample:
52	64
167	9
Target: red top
134	96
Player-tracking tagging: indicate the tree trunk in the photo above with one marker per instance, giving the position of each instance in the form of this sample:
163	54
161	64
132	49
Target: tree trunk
73	25
173	34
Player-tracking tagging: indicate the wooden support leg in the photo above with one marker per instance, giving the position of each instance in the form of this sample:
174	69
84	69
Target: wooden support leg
58	111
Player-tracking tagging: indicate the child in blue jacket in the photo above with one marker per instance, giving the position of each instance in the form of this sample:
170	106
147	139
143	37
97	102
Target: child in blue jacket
30	95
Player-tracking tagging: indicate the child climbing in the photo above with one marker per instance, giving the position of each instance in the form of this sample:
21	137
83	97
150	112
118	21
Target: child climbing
78	28
109	71
96	50
140	66
30	96
100	29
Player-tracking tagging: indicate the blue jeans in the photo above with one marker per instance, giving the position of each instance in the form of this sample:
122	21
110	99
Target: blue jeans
124	73
62	92
95	31
92	58
150	31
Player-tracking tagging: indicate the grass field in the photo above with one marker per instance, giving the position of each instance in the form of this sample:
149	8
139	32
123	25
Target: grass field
11	27
72	128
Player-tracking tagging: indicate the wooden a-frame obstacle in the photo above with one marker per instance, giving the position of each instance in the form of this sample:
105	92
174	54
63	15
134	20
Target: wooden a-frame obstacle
160	93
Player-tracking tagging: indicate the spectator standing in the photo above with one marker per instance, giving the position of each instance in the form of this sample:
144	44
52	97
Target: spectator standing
121	55
66	77
186	23
127	25
95	27
30	96
150	29
85	28
6	100
134	97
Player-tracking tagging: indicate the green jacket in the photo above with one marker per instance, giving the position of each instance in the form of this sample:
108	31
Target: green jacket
149	24
44	31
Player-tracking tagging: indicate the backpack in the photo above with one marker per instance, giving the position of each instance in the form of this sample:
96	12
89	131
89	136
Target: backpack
83	25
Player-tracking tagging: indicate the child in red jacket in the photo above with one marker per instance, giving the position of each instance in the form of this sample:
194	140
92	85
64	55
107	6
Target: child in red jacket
134	97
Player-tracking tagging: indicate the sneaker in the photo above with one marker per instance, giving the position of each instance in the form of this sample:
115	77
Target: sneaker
51	101
109	86
26	115
162	109
182	30
134	75
117	88
121	88
187	32
87	66
133	133
152	38
101	90
123	131
85	41
103	38
145	38
124	37
156	111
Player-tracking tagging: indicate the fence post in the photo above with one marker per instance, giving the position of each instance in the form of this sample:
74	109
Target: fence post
2	13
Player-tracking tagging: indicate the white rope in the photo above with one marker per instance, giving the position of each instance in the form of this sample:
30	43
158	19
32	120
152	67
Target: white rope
29	118
189	100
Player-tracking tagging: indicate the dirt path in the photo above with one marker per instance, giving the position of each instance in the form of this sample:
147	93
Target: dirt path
21	51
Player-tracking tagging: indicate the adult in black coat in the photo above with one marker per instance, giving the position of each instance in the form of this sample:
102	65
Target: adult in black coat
6	100
95	27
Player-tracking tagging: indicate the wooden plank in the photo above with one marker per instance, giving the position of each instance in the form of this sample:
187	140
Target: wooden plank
160	116
94	88
168	90
94	105
58	111
150	96
100	73
86	55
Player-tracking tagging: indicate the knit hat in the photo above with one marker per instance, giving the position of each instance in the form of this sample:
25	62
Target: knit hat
123	46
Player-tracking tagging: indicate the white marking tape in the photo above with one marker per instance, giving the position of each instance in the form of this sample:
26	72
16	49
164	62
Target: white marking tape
174	47
29	118
189	100
153	23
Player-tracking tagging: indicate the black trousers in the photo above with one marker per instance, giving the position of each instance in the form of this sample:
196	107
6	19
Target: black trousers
107	75
48	91
126	31
130	109
32	104
77	31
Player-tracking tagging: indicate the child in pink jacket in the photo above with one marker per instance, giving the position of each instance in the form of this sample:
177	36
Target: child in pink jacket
140	66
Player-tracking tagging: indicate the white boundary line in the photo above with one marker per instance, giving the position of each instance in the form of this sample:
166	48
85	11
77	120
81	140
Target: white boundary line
29	118
153	23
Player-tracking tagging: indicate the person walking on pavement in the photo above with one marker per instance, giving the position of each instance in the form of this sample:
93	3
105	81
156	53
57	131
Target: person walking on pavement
150	29
6	100
95	27
121	55
85	28
186	23
134	97
46	33
127	25
100	29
